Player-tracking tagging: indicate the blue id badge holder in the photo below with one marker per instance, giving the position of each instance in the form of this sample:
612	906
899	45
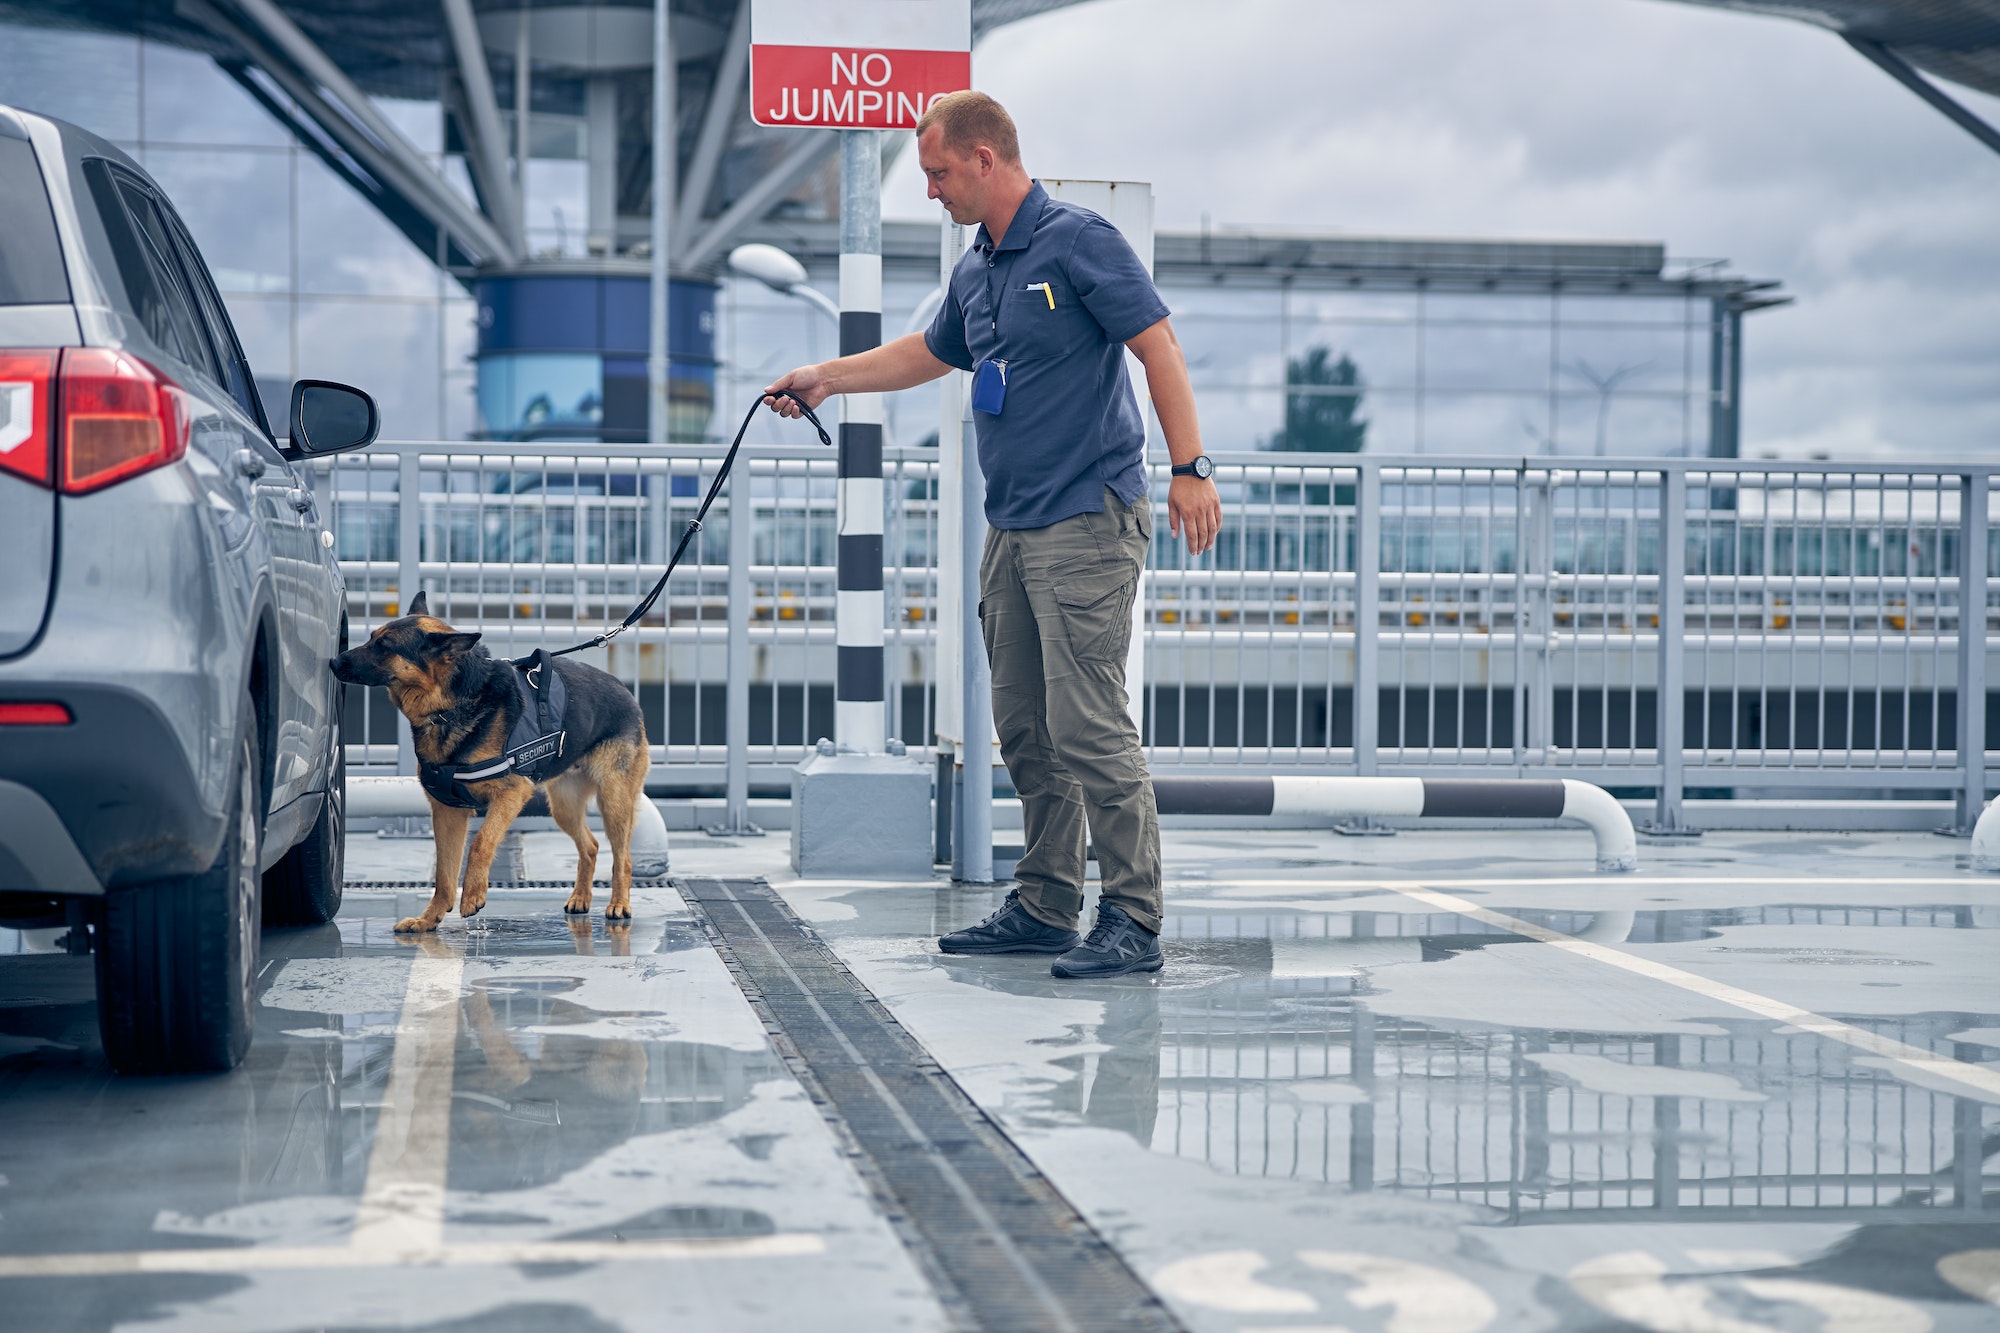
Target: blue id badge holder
989	387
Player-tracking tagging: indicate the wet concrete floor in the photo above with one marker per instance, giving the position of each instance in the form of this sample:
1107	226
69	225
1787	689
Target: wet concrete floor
1437	1083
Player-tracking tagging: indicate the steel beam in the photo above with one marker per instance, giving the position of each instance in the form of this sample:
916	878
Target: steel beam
401	162
732	76
1943	102
803	159
485	139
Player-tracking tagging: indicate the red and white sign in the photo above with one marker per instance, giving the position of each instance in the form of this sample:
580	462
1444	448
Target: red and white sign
856	64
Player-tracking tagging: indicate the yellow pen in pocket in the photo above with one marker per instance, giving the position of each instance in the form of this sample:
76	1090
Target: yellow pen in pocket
1046	290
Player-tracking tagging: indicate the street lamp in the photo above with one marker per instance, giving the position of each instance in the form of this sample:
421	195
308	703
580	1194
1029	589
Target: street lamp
781	273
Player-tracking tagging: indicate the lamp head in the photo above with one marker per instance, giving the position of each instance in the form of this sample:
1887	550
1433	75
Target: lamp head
768	265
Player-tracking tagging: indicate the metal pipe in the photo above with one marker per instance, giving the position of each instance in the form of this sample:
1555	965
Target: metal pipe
403	798
736	702
975	691
732	74
658	400
755	202
489	152
1414	798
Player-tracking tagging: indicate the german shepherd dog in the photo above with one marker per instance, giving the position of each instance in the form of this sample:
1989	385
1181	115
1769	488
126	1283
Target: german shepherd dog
462	702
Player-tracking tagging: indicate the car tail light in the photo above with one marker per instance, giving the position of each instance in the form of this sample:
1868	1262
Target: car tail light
85	417
27	380
34	715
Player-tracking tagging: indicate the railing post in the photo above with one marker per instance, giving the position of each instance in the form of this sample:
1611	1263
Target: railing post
1539	562
1972	647
1367	615
1671	704
409	553
736	693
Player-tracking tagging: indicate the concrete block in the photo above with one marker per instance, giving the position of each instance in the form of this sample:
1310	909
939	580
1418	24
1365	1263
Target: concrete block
861	816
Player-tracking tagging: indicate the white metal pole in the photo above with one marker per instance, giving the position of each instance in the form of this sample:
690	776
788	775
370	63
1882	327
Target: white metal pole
657	401
860	718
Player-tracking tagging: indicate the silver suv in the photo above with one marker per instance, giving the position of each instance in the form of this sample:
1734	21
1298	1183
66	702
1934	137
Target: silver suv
170	740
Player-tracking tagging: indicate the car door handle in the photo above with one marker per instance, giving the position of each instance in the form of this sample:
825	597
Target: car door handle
301	499
249	464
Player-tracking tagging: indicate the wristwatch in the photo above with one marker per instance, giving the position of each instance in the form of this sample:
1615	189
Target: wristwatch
1202	466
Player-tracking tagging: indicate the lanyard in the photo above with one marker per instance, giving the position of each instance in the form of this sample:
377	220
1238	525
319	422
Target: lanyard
992	302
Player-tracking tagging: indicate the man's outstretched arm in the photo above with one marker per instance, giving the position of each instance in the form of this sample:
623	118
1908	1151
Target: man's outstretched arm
902	364
1194	510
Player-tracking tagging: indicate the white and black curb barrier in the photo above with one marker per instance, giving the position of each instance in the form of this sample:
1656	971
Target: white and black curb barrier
1986	839
401	797
1463	798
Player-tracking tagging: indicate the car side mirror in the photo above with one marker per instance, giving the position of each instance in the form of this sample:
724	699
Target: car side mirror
329	418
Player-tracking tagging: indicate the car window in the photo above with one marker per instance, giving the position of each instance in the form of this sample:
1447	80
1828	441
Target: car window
236	375
143	296
173	283
31	260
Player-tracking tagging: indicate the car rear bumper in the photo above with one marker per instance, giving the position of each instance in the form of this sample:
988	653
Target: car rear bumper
117	785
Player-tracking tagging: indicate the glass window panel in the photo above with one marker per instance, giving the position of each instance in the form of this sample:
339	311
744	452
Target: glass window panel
1473	356
190	101
1308	305
1634	309
86	78
1485	423
345	247
1629	358
1487	308
1392	422
1385	354
1233	419
558	207
1233	353
387	348
264	327
238	206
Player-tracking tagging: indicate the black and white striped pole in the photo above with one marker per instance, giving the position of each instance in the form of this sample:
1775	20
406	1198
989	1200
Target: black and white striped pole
860	720
1464	798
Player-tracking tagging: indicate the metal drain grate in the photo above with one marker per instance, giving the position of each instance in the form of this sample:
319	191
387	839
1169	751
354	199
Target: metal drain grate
1002	1247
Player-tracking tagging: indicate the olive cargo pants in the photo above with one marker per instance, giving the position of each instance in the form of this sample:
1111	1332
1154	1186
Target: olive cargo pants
1055	605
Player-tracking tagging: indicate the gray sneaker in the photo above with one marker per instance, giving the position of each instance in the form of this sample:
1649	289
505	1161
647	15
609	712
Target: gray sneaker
1010	930
1117	946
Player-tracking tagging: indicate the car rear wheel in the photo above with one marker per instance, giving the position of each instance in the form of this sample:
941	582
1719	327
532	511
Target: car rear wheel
177	960
303	889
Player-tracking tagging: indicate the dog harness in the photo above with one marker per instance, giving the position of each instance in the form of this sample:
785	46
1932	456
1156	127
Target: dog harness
534	744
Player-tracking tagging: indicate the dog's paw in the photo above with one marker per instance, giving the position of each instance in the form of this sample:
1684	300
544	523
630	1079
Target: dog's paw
469	904
415	925
617	911
578	904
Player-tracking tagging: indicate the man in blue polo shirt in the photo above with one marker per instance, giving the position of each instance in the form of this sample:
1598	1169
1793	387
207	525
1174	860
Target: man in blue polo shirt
1041	310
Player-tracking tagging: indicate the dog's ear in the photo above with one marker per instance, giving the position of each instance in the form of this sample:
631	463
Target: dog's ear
420	605
451	645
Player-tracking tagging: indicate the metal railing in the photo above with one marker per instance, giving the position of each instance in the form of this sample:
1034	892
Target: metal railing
1798	626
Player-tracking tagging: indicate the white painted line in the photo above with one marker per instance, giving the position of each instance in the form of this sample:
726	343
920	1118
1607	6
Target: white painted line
402	1201
1595	881
785	1245
1926	1069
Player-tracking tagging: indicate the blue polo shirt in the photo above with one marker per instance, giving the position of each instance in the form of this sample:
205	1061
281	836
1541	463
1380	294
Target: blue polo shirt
1056	300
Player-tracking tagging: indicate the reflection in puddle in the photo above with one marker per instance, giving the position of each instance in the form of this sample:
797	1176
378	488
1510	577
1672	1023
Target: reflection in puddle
1280	1069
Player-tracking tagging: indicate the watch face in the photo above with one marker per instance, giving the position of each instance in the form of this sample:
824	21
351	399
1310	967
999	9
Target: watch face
1203	467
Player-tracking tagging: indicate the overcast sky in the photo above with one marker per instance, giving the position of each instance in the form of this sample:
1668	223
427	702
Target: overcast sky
1762	141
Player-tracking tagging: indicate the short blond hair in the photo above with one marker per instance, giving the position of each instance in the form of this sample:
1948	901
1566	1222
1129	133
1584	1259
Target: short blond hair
973	120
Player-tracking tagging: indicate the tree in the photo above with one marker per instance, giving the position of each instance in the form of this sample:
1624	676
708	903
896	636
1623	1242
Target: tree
1322	405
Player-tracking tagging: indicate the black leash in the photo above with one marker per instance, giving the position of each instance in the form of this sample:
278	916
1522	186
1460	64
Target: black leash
694	524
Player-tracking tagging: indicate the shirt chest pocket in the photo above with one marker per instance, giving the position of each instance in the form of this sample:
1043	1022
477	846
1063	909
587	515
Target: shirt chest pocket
1039	320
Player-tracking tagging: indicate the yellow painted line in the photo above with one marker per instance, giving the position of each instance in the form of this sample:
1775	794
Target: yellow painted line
1927	1068
266	1258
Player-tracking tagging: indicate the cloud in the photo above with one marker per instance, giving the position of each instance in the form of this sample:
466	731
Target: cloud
1760	140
